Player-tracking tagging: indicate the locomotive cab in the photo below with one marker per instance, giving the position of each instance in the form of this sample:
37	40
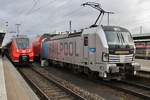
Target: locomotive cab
21	50
111	50
104	50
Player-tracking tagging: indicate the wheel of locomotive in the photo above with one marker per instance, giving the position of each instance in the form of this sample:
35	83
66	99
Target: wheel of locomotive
74	69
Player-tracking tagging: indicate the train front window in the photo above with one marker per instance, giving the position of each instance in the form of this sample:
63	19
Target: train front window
118	38
22	43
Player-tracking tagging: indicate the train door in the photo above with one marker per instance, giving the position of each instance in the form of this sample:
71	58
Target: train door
85	49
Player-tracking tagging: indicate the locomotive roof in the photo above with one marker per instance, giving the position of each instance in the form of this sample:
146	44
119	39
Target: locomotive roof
67	35
20	36
105	28
114	28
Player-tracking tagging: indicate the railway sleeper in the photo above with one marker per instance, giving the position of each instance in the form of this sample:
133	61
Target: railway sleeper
58	96
52	90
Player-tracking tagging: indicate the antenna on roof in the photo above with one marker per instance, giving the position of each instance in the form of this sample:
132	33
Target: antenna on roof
99	8
70	26
17	26
141	28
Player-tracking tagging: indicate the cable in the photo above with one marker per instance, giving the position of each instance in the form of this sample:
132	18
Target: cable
23	11
50	2
34	5
73	12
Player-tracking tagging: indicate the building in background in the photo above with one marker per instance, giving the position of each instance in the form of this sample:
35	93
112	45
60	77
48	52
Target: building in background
2	34
142	43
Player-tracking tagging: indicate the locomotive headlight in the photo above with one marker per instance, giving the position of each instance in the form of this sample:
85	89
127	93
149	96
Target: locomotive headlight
105	57
133	58
29	50
17	50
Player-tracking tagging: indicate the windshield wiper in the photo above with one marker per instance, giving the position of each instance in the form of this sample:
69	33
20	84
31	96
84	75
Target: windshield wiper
118	37
122	37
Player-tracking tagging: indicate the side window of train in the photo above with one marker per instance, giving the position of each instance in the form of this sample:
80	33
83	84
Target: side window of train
85	41
71	49
61	46
66	48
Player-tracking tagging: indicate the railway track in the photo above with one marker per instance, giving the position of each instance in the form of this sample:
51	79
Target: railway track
129	87
136	89
144	74
49	88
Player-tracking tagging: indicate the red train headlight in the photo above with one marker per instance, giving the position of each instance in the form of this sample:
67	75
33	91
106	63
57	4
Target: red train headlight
17	51
29	50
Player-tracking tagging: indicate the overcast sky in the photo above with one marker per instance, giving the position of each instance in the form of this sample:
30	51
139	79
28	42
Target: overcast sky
40	16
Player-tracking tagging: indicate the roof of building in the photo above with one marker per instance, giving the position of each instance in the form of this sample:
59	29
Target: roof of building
141	35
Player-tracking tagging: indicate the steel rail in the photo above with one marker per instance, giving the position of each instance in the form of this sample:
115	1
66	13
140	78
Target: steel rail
136	84
36	88
61	86
137	90
42	94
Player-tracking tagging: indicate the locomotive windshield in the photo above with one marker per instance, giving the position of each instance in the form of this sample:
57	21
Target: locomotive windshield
22	43
118	37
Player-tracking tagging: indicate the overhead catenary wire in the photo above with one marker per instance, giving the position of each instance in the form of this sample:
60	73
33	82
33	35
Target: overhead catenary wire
24	11
31	10
43	6
70	14
74	11
34	5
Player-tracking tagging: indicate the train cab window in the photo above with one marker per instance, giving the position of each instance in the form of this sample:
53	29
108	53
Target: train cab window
85	41
22	43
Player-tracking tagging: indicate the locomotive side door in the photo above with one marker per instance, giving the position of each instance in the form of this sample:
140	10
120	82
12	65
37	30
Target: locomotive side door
85	49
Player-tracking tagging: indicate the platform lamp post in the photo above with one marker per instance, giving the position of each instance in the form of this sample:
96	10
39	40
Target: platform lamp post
17	27
70	26
108	17
6	23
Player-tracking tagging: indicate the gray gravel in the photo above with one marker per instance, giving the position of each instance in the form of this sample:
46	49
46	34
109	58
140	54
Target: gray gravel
93	87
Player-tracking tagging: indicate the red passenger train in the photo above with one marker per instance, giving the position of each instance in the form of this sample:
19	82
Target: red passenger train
20	50
37	47
37	44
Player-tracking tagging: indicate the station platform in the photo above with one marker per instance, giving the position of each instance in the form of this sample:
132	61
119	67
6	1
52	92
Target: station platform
145	64
12	85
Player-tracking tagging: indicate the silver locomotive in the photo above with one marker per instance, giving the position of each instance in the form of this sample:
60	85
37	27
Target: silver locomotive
106	50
